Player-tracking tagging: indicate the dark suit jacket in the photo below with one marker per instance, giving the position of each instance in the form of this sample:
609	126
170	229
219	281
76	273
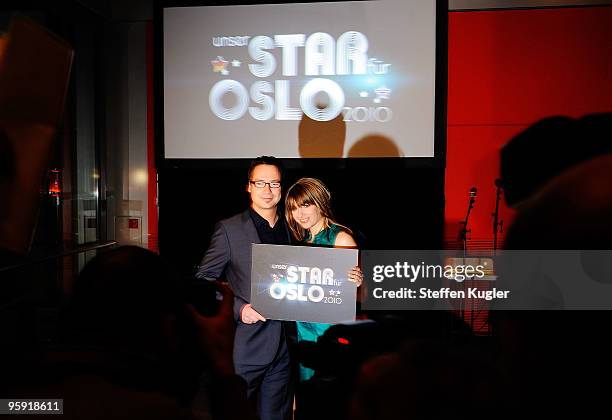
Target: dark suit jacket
229	255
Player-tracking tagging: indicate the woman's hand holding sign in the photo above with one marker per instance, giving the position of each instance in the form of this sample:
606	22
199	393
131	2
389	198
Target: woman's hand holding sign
356	275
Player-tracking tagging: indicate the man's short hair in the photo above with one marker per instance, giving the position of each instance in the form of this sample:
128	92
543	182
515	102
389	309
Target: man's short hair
265	160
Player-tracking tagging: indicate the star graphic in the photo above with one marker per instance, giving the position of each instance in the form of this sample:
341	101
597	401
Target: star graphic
219	65
382	92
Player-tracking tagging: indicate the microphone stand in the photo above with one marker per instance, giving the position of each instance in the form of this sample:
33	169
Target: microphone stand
463	234
498	225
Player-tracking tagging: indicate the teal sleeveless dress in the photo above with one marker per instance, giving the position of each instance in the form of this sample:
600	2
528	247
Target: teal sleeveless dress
311	331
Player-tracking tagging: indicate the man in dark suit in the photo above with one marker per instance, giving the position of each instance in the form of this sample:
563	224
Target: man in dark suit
261	354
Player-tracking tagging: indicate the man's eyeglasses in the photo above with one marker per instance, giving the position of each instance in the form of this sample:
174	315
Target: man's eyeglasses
262	184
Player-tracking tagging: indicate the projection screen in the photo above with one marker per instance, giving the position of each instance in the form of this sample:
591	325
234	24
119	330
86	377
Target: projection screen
341	79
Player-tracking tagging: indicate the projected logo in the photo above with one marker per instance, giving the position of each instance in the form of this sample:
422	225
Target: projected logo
305	284
337	70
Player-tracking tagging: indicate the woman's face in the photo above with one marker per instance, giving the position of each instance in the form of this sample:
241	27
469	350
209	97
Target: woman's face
307	216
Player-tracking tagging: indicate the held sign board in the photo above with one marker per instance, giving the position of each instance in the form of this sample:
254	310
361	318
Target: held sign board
301	283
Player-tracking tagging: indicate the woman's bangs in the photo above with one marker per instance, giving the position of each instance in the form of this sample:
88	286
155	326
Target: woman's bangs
299	197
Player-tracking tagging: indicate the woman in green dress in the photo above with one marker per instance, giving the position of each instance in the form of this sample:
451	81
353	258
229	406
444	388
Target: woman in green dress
310	219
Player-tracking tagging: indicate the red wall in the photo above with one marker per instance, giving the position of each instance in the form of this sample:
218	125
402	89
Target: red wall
508	69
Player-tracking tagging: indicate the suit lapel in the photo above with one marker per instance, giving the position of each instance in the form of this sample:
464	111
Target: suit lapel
251	231
249	227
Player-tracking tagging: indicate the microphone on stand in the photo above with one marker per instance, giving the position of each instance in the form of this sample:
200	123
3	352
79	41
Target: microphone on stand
473	192
465	230
463	236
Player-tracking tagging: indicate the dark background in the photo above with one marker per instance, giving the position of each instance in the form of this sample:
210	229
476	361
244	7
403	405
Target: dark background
387	206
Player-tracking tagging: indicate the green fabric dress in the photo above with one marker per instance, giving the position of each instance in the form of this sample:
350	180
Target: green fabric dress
311	331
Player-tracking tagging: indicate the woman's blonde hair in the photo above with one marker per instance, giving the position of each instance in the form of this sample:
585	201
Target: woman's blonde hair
309	191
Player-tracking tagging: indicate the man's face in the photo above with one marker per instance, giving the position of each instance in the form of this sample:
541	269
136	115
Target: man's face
264	198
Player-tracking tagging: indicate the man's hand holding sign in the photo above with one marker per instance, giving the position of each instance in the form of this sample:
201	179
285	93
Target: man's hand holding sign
248	315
